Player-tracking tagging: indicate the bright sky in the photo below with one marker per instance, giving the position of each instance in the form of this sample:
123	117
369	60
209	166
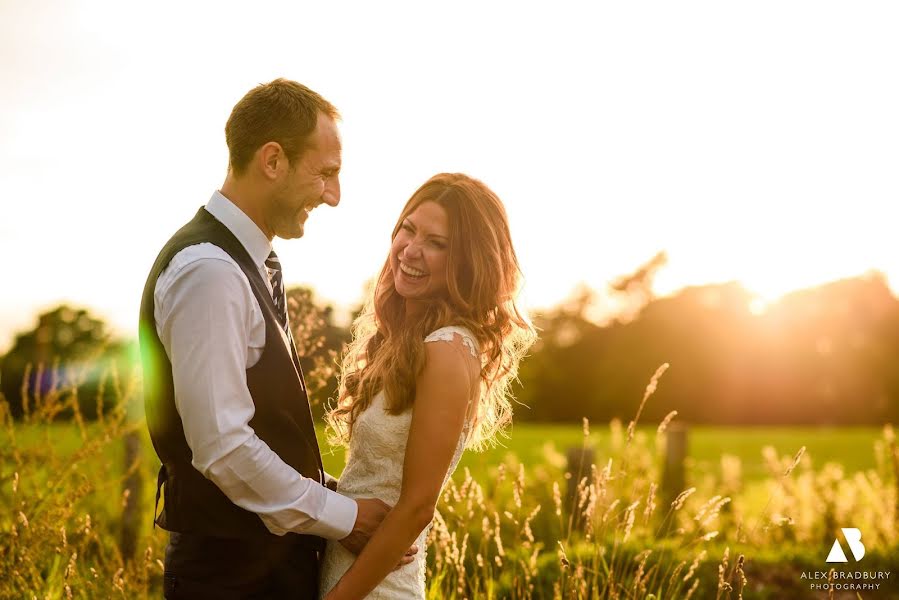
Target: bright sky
756	141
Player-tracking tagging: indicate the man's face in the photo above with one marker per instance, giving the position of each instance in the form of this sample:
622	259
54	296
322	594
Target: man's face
313	179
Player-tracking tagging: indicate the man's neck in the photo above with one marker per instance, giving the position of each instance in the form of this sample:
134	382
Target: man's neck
242	195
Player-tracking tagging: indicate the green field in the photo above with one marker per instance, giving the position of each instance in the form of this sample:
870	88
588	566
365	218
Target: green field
529	443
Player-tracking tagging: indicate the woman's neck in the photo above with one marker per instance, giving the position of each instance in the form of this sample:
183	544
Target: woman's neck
414	308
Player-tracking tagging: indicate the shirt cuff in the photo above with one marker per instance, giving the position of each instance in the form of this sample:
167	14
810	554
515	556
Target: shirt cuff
337	519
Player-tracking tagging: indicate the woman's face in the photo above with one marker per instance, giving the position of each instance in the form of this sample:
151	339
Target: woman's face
418	255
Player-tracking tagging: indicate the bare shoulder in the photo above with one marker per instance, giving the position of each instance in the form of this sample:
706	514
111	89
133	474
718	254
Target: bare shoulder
449	365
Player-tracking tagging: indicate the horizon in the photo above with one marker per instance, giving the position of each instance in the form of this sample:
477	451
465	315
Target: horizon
758	305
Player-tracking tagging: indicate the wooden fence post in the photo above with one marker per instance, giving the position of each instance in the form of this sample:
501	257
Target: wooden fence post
674	476
133	485
131	492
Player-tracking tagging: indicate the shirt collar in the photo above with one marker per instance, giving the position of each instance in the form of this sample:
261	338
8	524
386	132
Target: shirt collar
244	229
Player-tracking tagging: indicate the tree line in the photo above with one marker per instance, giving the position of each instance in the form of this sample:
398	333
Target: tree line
824	355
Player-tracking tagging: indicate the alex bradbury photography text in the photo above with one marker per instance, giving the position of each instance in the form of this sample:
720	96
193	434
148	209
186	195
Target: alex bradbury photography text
846	580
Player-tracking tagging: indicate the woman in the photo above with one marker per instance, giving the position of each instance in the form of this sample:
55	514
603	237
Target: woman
427	375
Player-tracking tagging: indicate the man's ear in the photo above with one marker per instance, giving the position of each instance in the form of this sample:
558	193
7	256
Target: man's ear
271	160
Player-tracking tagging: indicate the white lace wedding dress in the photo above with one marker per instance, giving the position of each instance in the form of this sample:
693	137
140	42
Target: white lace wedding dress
374	469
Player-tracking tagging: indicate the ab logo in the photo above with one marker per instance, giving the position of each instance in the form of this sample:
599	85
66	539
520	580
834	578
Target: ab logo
854	539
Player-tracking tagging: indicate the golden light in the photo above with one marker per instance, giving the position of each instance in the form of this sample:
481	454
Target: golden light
607	143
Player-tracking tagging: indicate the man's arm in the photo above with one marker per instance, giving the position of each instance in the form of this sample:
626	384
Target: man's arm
205	321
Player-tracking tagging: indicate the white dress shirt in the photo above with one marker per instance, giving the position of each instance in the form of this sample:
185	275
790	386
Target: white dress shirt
213	331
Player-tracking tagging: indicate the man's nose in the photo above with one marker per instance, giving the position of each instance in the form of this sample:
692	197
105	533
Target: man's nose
331	193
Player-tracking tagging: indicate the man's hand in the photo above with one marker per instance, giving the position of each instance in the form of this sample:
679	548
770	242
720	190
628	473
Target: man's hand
371	512
369	516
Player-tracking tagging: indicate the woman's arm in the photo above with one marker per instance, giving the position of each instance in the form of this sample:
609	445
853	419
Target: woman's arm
442	394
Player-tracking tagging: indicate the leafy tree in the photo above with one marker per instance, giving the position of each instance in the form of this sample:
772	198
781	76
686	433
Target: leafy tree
69	356
319	341
825	355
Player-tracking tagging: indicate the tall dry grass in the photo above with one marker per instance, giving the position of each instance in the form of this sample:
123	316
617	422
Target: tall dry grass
63	494
518	535
527	531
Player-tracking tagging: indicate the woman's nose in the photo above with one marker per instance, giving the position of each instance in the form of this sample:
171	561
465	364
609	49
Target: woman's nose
412	249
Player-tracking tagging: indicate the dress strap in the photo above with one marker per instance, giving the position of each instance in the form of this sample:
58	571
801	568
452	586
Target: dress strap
445	334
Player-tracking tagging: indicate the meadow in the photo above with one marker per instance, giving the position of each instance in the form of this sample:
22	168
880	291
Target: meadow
759	506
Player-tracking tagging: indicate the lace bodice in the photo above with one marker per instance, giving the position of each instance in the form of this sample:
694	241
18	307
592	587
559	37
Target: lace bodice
374	469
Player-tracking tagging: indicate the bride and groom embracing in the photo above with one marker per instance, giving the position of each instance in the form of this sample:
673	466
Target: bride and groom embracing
250	511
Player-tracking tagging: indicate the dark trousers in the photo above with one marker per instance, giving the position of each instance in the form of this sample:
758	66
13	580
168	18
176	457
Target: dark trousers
200	567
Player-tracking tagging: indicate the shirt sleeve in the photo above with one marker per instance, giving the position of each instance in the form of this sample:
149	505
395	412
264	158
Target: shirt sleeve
204	318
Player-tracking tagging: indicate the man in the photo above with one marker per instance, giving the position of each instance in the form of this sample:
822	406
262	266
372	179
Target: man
244	493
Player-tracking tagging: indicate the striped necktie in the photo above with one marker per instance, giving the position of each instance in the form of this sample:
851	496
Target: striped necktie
276	277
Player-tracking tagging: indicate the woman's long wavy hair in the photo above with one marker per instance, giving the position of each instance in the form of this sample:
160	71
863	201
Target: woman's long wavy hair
483	276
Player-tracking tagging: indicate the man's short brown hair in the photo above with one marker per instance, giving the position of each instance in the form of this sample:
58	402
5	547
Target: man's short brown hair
281	111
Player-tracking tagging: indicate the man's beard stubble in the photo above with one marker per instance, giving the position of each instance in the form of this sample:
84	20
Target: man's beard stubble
287	220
